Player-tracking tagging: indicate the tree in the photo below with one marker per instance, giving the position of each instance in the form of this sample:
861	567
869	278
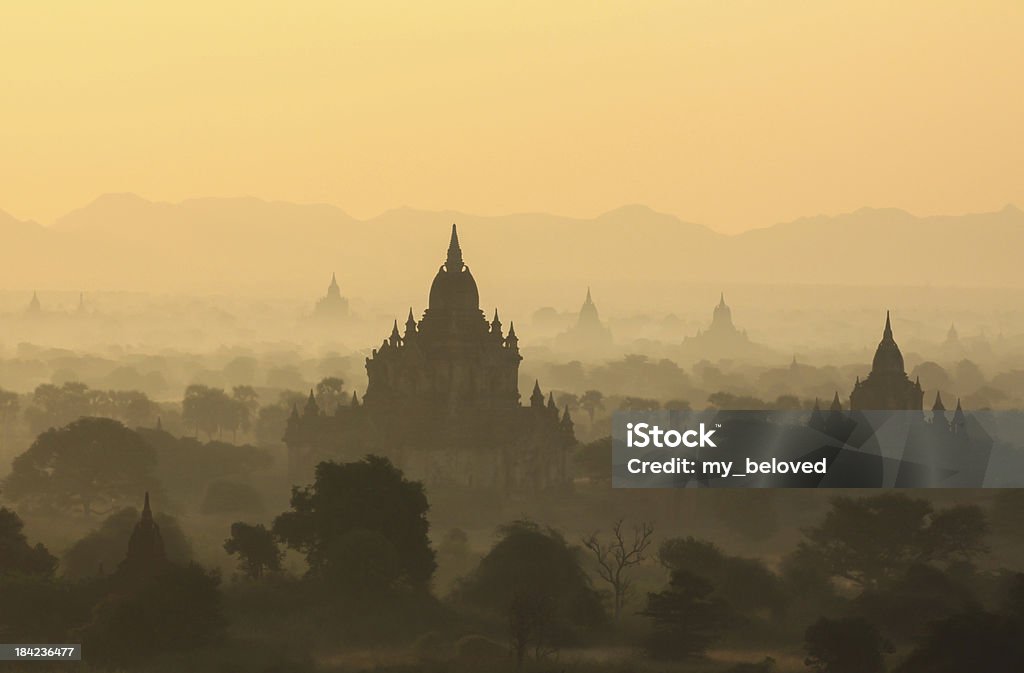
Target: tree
256	549
367	495
591	401
871	540
177	610
687	618
745	584
103	548
615	557
9	405
330	392
849	645
244	403
16	554
207	409
970	641
91	465
272	419
534	578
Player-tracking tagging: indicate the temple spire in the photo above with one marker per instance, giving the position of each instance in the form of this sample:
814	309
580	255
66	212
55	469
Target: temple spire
589	300
721	299
887	332
454	262
836	404
147	513
537	397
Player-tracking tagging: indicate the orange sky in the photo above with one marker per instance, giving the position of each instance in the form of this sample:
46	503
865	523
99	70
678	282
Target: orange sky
732	114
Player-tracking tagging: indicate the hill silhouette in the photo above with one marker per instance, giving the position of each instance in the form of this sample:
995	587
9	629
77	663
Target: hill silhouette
123	241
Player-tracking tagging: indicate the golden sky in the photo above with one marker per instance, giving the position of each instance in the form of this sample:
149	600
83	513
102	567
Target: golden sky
732	114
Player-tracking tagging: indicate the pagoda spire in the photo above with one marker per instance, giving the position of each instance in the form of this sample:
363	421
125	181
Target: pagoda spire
410	324
395	336
836	404
147	513
537	397
454	262
887	332
938	406
589	300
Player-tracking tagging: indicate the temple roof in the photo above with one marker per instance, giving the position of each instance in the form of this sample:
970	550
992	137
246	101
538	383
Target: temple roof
454	286
888	358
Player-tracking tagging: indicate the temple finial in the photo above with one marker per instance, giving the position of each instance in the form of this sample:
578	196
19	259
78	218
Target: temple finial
147	513
454	262
887	332
589	300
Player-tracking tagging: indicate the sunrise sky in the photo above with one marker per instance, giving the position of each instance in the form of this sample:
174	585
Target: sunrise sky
731	114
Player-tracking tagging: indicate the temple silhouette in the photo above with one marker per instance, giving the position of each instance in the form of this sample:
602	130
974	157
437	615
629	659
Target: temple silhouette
887	387
146	555
589	335
722	339
442	401
331	306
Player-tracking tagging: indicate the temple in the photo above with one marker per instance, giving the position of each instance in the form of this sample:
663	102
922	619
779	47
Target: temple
331	306
34	307
887	387
589	335
442	402
722	339
146	555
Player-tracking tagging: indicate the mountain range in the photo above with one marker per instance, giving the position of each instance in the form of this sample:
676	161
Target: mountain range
125	242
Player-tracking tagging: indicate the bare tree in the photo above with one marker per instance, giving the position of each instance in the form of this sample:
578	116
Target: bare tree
617	556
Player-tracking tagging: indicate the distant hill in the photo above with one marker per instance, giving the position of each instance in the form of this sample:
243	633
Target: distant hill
122	241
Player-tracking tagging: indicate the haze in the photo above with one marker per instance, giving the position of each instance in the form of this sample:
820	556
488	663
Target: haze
731	114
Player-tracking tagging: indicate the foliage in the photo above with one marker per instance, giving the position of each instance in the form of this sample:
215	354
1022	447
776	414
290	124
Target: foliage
849	645
870	540
687	618
256	549
745	584
178	609
91	464
17	556
105	547
54	406
372	496
534	578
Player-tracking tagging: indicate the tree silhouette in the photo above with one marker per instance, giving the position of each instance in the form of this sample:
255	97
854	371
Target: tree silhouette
615	557
256	549
177	610
208	409
16	554
870	540
687	618
91	466
330	392
591	402
102	549
849	645
369	495
534	578
9	405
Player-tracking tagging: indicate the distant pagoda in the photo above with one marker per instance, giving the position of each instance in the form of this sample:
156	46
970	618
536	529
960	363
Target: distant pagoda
887	387
589	334
146	555
331	306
